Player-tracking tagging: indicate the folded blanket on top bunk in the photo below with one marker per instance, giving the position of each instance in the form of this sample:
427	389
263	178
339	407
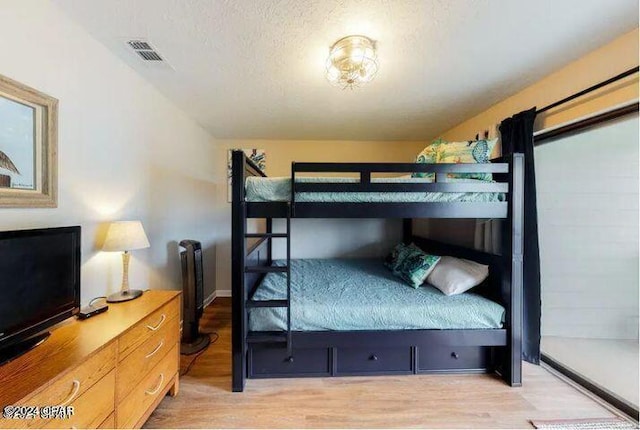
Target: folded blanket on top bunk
260	189
361	294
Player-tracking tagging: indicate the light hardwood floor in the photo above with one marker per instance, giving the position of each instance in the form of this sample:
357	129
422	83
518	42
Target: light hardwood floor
440	401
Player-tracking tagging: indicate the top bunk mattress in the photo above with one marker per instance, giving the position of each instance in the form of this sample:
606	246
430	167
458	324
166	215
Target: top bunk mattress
278	189
361	294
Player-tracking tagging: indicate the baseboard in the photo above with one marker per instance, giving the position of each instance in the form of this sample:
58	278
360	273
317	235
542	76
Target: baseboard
212	296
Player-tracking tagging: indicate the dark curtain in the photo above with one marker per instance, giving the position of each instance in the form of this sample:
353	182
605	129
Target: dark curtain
517	136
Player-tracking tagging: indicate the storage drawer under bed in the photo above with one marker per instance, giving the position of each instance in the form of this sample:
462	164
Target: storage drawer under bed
370	361
443	358
274	361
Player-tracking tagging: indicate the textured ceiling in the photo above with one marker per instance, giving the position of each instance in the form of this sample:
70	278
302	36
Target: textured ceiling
255	68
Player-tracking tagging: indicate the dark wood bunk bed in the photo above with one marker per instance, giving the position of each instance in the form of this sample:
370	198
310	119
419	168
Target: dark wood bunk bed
290	353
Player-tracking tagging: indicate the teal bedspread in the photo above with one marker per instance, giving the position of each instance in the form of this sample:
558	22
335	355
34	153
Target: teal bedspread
361	294
260	189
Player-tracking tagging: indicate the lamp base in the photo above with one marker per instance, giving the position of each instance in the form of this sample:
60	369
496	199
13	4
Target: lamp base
124	296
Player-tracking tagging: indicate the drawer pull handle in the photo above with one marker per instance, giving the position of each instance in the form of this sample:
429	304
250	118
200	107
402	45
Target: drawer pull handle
289	359
157	326
373	357
455	355
155	350
155	390
74	393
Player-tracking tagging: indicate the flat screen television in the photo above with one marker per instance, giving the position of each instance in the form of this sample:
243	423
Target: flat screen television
39	285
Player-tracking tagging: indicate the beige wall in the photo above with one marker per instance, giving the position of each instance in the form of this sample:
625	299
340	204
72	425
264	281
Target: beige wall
601	64
280	154
310	237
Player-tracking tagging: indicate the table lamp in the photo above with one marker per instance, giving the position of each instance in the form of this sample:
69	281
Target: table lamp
125	236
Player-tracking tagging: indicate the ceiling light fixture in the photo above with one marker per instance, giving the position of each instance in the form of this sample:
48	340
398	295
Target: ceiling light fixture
352	62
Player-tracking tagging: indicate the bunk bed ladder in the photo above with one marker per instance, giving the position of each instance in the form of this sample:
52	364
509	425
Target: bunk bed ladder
274	337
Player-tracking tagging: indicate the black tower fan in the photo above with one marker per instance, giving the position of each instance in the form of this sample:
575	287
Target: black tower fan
192	298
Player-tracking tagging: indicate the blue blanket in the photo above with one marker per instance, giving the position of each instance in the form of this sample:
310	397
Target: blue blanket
361	294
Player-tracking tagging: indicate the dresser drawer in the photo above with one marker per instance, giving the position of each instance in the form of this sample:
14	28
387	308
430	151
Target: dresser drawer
69	387
139	333
148	392
74	383
442	358
137	365
91	408
352	361
275	361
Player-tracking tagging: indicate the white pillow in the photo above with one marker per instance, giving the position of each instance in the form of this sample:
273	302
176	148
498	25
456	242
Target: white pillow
455	275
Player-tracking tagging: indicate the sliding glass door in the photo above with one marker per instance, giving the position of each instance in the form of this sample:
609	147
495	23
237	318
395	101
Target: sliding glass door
588	223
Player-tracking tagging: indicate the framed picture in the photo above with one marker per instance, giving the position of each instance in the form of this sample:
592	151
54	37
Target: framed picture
28	146
258	156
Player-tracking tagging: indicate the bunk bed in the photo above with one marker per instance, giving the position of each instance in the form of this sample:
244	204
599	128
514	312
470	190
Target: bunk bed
280	327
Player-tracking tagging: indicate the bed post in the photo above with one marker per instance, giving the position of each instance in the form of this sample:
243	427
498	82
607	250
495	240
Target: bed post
407	230
292	200
269	230
512	252
238	253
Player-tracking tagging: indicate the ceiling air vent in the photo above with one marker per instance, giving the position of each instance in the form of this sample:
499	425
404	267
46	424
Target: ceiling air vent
144	50
140	45
150	55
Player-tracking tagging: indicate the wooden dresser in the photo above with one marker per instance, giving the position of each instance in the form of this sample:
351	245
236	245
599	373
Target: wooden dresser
112	369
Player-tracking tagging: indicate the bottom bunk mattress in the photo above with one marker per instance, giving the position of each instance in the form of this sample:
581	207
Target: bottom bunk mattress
361	294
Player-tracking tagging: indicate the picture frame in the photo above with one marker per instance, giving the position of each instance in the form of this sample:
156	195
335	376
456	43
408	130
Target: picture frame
28	147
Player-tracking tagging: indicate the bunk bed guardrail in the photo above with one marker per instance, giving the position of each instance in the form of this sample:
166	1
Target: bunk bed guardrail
366	184
366	170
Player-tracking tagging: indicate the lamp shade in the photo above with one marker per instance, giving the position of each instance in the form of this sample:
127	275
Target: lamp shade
125	236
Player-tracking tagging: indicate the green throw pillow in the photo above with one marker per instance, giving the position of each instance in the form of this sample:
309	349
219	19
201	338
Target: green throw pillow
411	264
472	151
